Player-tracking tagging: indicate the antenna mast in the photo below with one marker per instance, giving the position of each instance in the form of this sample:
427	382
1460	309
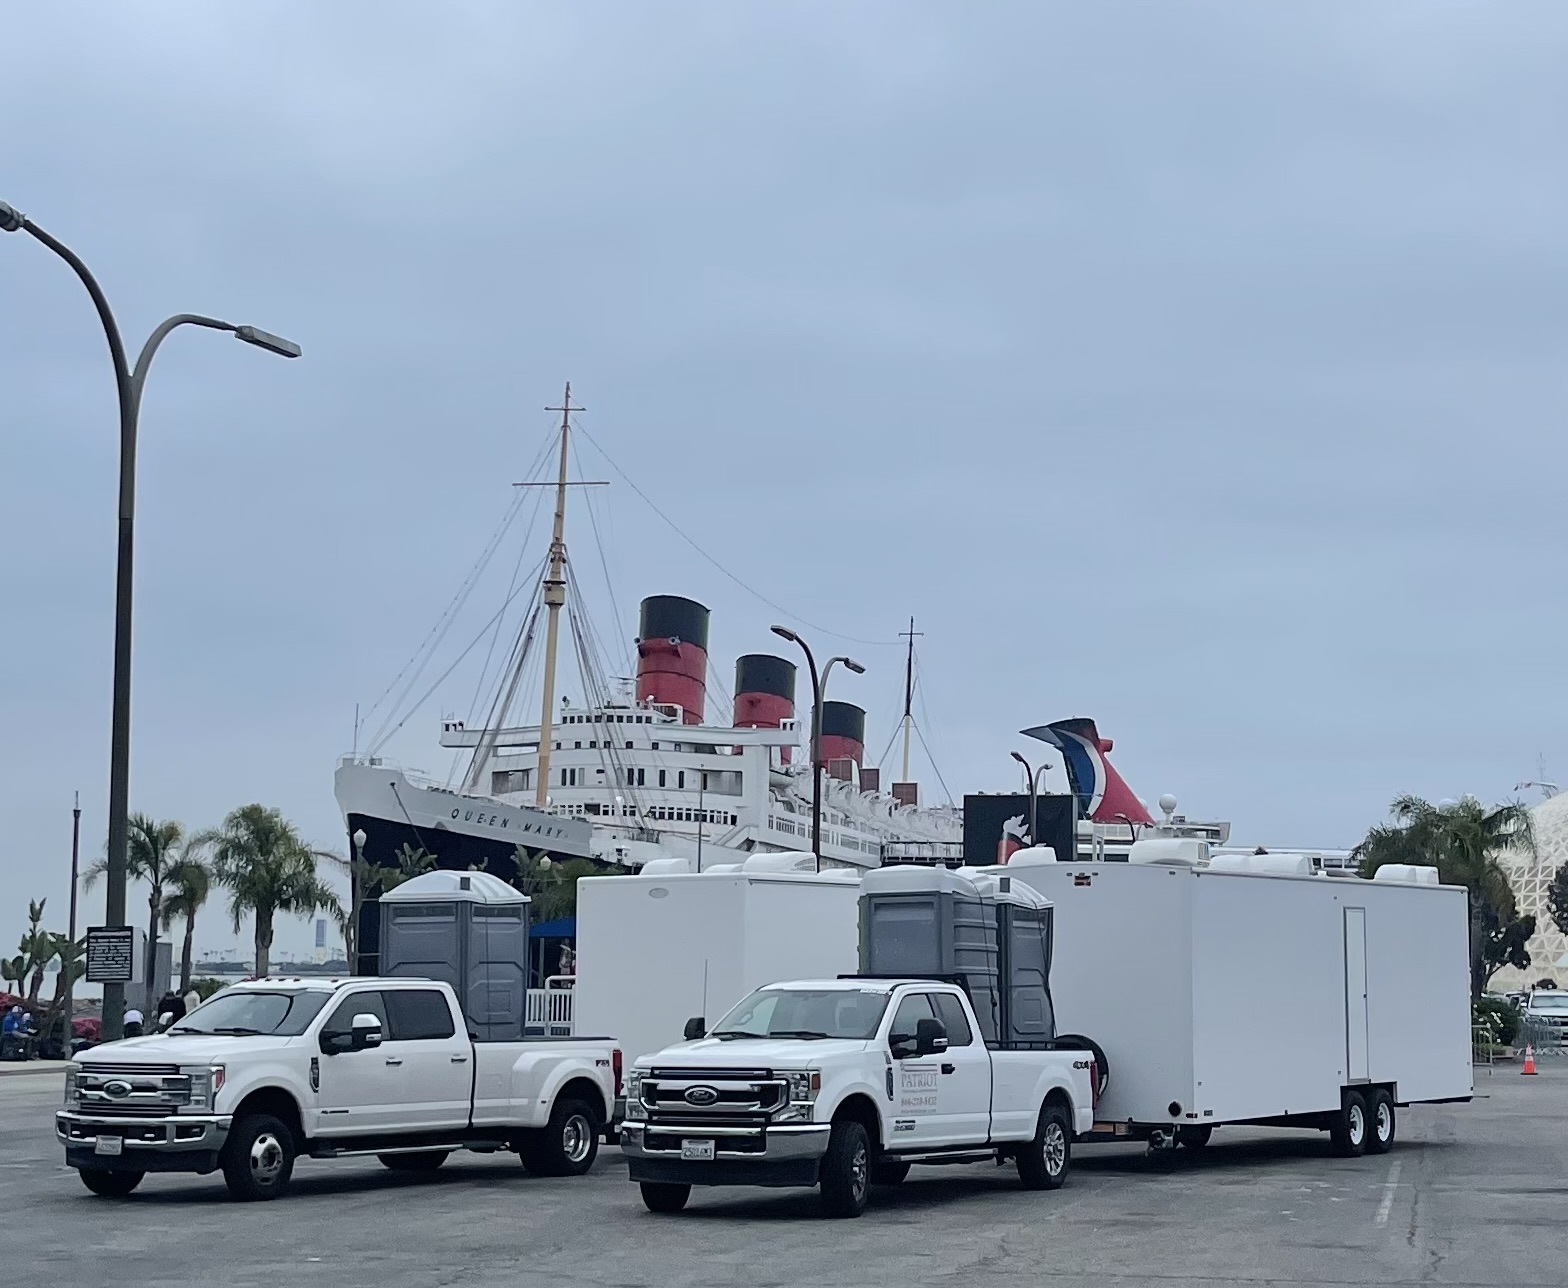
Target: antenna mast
909	693
554	598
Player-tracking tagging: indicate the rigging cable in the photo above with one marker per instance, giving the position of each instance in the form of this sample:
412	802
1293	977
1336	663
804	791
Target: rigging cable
756	594
382	737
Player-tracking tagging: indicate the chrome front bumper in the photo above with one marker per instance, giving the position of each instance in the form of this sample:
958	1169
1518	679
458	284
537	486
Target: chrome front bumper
177	1133
787	1142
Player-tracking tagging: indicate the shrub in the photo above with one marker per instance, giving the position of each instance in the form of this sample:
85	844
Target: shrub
1503	1017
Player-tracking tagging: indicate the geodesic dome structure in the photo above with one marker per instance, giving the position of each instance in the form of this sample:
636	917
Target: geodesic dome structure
1530	878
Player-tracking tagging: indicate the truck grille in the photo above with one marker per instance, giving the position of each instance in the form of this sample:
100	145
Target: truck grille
132	1091
696	1096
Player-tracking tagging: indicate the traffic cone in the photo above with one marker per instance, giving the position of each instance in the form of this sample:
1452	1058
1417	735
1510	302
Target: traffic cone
1529	1059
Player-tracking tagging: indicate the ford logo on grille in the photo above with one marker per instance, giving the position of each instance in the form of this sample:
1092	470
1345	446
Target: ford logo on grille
117	1089
701	1095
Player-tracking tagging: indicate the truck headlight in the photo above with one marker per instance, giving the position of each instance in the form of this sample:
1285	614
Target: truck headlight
206	1083
70	1086
634	1105
804	1084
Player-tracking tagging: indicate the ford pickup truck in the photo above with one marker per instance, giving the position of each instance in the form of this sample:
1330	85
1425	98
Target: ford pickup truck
843	1084
272	1069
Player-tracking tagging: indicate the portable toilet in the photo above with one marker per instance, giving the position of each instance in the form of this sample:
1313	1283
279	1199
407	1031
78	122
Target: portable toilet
469	930
988	933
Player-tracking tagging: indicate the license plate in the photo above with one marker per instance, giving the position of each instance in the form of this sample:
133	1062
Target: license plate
109	1145
697	1150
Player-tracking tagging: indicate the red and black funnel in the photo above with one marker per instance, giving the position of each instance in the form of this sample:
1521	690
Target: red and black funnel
843	732
672	654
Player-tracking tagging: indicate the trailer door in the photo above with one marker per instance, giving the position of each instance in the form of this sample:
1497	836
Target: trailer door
1356	995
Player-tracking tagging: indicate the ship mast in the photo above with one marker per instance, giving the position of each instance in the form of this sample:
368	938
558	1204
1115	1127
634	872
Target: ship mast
554	598
909	694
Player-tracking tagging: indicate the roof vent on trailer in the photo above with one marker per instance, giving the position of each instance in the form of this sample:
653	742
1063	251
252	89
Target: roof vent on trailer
1408	873
1273	865
1173	852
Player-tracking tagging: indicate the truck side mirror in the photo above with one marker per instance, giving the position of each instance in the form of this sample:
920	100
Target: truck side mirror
930	1037
366	1031
696	1027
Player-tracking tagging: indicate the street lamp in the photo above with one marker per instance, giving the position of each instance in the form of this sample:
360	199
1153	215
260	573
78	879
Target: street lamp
355	895
818	688
1032	786
128	382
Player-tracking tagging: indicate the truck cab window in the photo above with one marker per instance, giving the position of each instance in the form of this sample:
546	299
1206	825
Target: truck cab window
342	1018
951	1012
418	1014
915	1007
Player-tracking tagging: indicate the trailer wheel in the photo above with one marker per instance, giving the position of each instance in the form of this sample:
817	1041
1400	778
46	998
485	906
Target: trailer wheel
846	1170
1349	1128
1194	1137
1044	1162
1382	1124
664	1196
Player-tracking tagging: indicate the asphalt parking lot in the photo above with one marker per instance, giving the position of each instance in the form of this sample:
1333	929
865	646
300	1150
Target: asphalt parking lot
1470	1195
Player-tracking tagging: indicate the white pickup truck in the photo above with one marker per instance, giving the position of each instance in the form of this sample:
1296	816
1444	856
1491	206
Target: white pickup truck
274	1068
843	1084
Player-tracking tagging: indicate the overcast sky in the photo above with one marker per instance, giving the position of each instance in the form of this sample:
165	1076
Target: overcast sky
1194	367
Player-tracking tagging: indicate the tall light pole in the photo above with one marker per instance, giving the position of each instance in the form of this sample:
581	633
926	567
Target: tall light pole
128	386
70	930
1032	786
819	685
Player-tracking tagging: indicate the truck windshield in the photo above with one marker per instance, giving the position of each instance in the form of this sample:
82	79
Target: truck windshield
250	1012
1546	1000
805	1013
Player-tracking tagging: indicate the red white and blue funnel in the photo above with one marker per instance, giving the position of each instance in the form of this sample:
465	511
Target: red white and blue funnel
1103	795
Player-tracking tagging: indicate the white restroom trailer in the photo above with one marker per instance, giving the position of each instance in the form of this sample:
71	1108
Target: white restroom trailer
656	950
1257	990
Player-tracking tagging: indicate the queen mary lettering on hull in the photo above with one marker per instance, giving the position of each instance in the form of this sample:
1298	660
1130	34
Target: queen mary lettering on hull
633	774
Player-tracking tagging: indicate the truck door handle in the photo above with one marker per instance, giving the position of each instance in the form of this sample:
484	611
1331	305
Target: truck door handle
392	1059
459	1059
947	1068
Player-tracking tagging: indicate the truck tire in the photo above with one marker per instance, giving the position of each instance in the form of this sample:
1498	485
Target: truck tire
889	1171
1044	1162
1349	1128
664	1196
427	1160
845	1176
1194	1137
258	1157
567	1146
110	1185
1382	1122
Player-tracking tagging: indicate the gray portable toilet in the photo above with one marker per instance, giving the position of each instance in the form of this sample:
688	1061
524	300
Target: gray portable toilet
469	930
990	934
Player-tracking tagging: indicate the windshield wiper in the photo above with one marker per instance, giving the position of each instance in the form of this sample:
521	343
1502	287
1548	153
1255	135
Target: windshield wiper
236	1032
798	1033
735	1033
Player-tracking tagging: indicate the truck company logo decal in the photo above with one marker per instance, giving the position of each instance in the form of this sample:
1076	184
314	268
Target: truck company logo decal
903	1124
917	1090
701	1095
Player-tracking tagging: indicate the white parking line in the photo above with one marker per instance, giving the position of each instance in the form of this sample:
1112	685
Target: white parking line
1389	1185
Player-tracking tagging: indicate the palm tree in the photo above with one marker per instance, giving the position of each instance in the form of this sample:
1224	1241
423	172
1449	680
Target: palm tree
259	856
190	882
153	850
1468	843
